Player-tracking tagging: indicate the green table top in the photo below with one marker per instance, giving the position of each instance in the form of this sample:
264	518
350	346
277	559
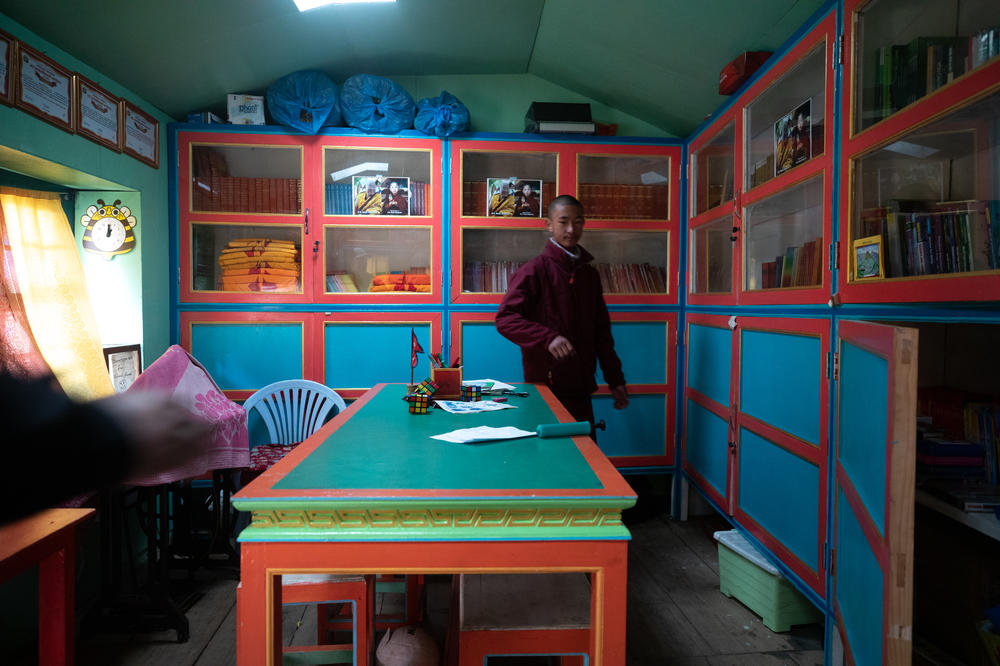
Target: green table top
384	446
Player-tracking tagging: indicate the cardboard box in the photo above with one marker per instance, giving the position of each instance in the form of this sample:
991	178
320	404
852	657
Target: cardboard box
747	575
245	109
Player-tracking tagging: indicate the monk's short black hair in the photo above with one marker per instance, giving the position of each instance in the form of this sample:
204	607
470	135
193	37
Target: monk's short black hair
564	200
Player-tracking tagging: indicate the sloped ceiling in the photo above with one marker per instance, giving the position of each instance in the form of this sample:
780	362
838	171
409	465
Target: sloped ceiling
656	60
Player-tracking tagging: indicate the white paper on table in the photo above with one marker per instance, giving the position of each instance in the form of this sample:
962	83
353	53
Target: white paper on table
491	384
462	407
483	434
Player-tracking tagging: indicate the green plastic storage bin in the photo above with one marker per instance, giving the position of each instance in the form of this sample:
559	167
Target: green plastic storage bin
746	575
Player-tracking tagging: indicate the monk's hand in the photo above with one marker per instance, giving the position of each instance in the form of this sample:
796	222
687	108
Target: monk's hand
620	394
561	348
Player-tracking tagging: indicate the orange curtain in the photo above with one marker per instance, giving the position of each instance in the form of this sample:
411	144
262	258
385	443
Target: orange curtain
47	290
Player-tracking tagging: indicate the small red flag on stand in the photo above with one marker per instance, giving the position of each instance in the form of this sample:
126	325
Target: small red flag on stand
415	349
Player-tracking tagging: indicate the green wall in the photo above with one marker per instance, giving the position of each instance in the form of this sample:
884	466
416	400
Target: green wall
31	146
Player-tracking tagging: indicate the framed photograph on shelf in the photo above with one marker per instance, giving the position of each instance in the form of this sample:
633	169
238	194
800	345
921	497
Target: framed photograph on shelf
124	364
140	135
6	68
528	198
793	138
395	195
98	114
367	192
868	261
43	88
500	195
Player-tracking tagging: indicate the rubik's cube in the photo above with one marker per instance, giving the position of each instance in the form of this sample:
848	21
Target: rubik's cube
419	403
472	393
427	387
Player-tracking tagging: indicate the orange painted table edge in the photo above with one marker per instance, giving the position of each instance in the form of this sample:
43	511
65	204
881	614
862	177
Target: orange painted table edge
47	539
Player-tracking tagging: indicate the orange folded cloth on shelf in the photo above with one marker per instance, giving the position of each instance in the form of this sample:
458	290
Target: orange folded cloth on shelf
401	278
227	258
400	287
260	242
281	272
256	262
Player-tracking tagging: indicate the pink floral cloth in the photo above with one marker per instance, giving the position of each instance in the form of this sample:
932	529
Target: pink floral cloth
228	445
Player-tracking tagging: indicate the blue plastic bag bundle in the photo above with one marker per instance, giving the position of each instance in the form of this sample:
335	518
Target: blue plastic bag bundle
441	116
376	104
305	101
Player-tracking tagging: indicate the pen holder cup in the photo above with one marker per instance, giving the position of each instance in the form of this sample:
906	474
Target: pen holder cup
449	381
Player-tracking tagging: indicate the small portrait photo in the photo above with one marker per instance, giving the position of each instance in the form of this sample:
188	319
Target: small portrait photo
395	195
868	262
793	138
368	195
527	198
500	196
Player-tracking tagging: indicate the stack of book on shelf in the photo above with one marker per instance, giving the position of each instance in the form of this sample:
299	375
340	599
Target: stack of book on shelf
638	202
340	282
488	276
906	72
958	435
260	264
340	199
800	266
923	238
632	278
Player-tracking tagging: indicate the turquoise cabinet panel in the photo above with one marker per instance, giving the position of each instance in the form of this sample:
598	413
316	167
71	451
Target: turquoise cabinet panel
642	347
863	431
246	356
781	492
860	602
638	430
487	354
706	441
780	381
710	361
361	355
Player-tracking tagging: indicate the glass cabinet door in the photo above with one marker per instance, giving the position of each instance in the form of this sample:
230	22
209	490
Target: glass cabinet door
367	181
507	183
904	50
245	258
926	204
783	239
377	259
712	171
711	257
785	124
624	187
245	179
491	256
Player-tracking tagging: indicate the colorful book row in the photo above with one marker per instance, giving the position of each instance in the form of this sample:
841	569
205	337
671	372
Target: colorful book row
930	242
800	266
488	276
906	72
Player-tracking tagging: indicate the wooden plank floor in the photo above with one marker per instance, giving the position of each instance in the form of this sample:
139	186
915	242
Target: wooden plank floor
676	614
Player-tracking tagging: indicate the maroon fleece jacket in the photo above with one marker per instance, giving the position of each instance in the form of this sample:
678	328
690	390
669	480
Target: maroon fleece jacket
551	295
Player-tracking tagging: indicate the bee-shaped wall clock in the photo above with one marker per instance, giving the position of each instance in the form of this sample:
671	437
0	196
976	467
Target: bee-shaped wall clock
108	229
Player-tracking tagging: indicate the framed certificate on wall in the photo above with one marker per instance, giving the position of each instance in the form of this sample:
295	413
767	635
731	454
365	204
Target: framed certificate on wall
141	135
6	68
44	88
124	365
98	114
